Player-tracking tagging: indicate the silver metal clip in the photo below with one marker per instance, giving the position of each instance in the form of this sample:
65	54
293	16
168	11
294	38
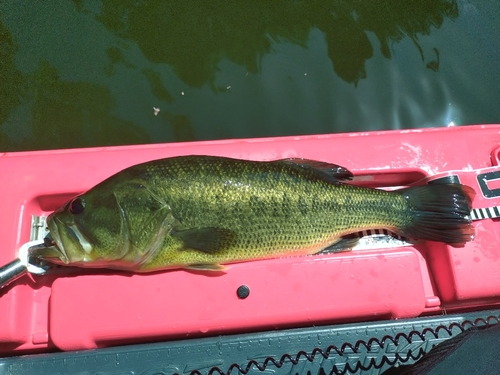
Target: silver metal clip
23	264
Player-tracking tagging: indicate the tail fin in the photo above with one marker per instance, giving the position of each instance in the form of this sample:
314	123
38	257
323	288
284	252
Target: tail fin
440	213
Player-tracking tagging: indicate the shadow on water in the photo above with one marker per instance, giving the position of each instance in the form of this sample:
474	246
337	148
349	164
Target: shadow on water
63	114
193	38
84	103
11	87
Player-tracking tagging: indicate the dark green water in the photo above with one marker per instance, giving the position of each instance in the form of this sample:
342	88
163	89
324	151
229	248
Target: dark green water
89	73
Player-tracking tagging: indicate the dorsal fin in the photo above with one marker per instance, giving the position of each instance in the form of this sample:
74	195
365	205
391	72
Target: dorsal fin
332	172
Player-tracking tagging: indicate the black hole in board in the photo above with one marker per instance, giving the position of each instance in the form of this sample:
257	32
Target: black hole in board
243	292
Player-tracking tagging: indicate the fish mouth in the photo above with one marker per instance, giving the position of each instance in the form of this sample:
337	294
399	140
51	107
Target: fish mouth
54	251
69	245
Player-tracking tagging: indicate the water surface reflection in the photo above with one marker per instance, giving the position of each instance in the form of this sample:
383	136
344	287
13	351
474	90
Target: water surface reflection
88	73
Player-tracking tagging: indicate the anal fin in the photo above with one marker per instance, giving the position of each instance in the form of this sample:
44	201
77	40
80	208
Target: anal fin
345	243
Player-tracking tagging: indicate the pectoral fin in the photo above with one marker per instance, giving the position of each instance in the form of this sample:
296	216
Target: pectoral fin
208	240
207	267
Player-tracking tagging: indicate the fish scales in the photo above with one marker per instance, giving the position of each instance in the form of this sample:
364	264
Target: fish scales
273	208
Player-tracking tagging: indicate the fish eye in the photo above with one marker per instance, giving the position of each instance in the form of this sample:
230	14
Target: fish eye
76	206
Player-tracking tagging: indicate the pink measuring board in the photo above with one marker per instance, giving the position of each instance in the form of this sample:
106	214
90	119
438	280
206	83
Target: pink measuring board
79	309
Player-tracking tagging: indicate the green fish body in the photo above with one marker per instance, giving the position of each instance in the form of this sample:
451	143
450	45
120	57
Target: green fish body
200	212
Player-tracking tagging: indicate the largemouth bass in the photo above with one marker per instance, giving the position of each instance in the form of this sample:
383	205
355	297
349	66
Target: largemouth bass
200	212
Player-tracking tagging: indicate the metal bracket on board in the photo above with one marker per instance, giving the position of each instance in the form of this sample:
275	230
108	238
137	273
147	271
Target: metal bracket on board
38	228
